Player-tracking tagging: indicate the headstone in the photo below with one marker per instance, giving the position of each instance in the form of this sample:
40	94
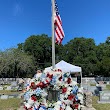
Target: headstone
11	96
91	88
1	88
104	97
86	108
53	95
4	97
9	88
108	82
14	84
88	99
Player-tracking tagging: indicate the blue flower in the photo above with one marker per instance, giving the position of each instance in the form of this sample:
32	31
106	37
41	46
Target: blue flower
75	89
38	91
51	109
26	95
76	97
42	108
53	81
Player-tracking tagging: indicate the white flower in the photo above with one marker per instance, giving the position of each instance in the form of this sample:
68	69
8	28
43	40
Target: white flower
38	75
29	104
68	102
74	83
68	108
69	88
66	85
68	92
59	102
36	105
57	107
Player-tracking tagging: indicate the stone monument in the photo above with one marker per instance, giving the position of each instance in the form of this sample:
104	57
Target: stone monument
88	101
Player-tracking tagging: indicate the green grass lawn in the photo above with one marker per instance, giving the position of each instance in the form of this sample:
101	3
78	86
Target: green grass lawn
108	87
14	103
9	92
10	104
98	106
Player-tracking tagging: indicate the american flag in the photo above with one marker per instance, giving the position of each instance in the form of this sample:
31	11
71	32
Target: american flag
59	33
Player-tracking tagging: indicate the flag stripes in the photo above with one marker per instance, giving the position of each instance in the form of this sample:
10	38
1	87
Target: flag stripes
59	33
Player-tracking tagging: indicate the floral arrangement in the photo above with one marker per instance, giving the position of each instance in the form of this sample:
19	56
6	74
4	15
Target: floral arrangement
36	94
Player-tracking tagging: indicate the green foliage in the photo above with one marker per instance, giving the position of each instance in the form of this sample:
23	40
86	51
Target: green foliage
40	48
81	51
15	63
36	53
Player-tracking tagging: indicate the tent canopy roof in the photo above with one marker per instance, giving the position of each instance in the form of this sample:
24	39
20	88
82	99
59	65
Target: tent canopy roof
66	67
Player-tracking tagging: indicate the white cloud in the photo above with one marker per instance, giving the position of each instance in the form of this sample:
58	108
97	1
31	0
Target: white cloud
17	10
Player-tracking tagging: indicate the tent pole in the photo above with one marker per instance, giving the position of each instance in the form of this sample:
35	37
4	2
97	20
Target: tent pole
81	78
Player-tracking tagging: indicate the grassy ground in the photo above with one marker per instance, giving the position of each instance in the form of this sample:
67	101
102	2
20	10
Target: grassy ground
98	106
10	104
108	87
9	92
14	103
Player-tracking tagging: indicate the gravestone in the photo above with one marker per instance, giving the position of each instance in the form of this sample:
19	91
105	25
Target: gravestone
104	97
14	83
1	88
11	96
53	95
88	99
4	97
9	88
92	89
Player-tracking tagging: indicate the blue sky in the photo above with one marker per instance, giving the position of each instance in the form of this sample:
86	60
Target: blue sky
21	18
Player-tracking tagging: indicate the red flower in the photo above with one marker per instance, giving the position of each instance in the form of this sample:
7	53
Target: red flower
60	78
61	108
74	101
41	85
47	81
69	80
71	97
33	86
30	108
59	70
49	75
34	98
25	107
76	106
45	85
64	90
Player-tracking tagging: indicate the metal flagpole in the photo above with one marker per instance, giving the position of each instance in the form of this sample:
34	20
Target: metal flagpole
53	38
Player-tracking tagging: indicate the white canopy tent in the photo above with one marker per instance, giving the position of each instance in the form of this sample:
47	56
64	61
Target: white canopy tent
66	67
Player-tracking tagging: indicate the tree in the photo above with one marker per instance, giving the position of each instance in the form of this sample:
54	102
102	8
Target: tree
108	40
15	63
40	48
81	51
